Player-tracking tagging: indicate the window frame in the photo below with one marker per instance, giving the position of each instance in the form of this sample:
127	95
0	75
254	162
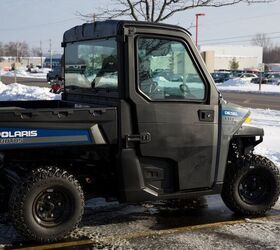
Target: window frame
192	58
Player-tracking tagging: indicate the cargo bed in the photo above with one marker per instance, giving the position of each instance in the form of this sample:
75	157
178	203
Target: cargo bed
55	123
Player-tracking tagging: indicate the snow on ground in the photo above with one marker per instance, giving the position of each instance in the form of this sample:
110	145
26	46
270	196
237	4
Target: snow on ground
269	120
241	85
21	72
19	92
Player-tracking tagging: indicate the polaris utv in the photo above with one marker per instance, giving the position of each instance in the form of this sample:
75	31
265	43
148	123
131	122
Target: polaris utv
140	119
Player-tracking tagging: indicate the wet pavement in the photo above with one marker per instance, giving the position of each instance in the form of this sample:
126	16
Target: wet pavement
26	81
162	226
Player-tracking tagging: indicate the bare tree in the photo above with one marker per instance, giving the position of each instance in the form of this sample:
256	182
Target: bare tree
10	49
262	40
36	51
157	10
272	55
1	49
17	49
271	52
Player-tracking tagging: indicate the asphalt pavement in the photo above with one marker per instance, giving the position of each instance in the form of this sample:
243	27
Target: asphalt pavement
252	100
26	81
162	226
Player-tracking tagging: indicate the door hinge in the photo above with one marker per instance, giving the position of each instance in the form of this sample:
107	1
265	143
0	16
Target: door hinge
128	32
144	137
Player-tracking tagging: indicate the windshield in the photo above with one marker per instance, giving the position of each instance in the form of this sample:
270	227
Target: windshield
91	64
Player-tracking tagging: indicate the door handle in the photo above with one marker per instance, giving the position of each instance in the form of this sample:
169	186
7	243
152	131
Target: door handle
206	115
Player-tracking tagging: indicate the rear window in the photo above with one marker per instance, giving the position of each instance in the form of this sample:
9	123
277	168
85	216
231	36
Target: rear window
91	64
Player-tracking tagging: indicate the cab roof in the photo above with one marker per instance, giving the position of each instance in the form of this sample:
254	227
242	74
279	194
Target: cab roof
109	28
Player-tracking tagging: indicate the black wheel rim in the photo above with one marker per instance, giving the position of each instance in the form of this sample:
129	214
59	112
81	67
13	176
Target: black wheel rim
53	206
253	188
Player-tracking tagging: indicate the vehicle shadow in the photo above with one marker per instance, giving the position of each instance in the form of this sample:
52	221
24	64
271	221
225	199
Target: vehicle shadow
107	220
168	215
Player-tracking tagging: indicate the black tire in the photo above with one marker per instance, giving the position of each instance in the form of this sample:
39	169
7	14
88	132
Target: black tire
46	205
251	185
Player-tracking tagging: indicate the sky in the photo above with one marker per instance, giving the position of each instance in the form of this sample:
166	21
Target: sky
36	20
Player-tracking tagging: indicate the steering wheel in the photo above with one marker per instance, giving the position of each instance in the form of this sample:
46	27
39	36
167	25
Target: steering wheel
185	89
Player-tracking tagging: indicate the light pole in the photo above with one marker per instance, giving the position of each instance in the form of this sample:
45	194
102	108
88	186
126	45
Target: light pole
196	27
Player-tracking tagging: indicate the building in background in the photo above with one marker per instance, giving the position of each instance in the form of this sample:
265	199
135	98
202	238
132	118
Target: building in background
23	62
7	61
219	56
273	67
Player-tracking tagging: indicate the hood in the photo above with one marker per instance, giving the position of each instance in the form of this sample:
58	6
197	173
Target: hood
232	116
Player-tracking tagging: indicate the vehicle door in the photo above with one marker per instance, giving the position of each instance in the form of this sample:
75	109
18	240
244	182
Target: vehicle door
176	109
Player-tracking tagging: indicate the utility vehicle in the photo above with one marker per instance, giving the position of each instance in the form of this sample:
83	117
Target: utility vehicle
123	130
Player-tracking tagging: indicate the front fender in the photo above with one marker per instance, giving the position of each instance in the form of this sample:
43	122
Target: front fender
248	137
249	131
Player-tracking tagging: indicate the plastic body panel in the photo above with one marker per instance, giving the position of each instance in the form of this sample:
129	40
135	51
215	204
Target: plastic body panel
22	127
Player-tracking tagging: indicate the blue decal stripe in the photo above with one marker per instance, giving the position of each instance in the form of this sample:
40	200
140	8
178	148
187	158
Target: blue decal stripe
22	137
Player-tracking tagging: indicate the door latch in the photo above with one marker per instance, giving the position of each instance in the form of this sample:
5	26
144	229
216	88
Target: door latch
206	115
144	137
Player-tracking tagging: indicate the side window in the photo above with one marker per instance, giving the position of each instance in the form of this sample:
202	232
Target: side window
92	64
166	71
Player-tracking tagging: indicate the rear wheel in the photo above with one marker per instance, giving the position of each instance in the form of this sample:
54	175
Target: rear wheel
251	185
47	205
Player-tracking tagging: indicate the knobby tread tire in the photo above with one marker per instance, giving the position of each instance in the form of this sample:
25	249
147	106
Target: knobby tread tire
233	175
20	194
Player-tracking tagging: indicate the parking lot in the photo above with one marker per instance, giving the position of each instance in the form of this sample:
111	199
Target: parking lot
162	226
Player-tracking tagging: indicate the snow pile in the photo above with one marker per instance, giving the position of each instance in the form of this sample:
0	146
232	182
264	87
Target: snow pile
19	92
242	85
236	82
269	120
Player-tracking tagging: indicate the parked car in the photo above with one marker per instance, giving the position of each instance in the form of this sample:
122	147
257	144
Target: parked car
221	76
248	76
264	78
237	73
274	79
55	74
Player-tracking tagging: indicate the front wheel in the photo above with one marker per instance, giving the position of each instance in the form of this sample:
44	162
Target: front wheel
251	185
46	205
